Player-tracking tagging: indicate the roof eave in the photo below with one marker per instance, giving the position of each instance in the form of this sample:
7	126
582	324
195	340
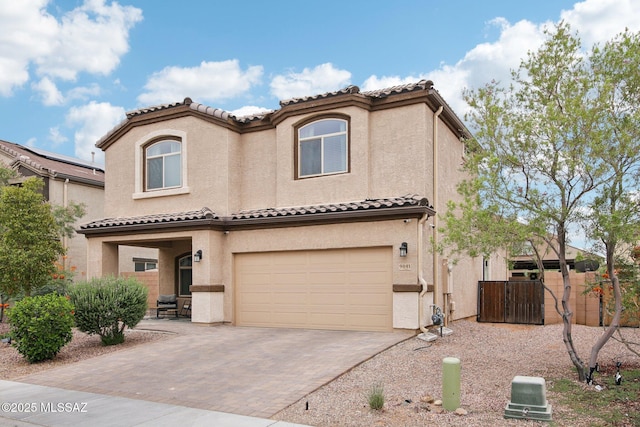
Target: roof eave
229	224
151	227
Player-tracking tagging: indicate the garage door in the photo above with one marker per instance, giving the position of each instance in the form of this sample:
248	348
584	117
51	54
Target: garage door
346	289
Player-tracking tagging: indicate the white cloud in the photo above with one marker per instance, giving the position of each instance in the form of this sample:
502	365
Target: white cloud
84	92
487	61
27	33
249	110
48	92
600	20
208	82
92	121
595	20
483	63
90	38
56	137
50	95
374	82
323	78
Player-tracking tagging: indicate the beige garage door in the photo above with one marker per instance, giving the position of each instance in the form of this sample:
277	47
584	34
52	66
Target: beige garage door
346	289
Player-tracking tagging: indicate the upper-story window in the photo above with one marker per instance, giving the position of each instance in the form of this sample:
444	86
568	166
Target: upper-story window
323	148
163	163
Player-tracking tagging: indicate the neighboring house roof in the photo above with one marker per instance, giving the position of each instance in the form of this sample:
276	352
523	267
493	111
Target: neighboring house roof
421	91
369	209
53	165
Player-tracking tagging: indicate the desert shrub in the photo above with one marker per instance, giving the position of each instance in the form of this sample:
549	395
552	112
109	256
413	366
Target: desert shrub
375	397
41	326
106	306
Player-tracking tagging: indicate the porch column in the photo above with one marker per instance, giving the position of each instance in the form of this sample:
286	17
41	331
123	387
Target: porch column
102	258
207	291
207	303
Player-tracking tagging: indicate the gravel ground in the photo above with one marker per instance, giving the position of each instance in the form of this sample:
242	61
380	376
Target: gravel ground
410	372
82	346
491	355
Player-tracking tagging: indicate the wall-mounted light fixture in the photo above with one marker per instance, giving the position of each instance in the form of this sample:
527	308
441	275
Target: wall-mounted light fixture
197	256
403	249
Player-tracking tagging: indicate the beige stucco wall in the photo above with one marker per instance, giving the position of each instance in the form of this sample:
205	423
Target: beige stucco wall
92	198
391	154
227	171
401	151
219	249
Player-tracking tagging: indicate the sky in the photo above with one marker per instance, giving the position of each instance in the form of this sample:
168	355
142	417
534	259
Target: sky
71	69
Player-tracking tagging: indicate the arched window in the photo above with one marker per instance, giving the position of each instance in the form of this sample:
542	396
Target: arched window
322	148
163	165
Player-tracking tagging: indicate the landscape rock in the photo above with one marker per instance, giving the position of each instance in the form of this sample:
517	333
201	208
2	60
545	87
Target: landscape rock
427	398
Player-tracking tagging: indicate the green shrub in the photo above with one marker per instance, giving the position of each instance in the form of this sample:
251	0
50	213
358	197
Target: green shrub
106	306
375	396
41	326
58	287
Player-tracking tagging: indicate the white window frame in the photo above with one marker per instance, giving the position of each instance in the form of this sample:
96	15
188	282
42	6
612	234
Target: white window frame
322	137
140	166
165	168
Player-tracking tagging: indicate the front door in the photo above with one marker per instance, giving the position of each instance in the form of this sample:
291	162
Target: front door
184	275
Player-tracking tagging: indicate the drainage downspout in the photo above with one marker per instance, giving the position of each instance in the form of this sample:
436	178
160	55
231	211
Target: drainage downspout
436	284
421	280
65	203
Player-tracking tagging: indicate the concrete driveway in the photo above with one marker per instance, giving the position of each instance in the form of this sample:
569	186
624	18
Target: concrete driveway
239	370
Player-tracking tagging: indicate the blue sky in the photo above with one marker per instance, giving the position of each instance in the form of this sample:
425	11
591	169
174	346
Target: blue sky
70	69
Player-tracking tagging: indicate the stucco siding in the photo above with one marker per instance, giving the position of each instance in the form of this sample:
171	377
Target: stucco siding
400	148
255	171
324	189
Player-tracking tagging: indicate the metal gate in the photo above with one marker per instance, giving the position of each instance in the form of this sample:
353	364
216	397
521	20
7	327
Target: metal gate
519	301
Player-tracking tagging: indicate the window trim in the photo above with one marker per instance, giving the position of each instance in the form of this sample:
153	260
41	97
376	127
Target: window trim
164	157
296	144
140	164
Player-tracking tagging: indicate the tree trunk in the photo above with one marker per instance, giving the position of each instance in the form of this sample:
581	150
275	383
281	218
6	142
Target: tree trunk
567	314
615	321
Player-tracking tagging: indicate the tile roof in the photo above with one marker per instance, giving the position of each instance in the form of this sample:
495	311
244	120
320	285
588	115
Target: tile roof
382	93
207	214
202	214
422	85
51	163
409	200
346	90
216	112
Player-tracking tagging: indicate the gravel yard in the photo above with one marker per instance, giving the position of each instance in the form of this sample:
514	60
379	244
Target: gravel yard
83	346
491	355
410	372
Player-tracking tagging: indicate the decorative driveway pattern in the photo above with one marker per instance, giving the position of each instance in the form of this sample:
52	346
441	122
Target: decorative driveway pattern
239	370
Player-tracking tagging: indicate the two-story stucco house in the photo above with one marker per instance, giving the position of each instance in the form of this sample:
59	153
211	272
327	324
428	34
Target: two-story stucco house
317	215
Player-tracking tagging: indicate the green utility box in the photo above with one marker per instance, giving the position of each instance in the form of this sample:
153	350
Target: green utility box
450	383
528	399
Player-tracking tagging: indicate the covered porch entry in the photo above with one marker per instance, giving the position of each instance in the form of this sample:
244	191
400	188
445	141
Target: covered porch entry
184	269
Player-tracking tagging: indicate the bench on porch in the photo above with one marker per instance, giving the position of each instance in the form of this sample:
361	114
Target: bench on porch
167	303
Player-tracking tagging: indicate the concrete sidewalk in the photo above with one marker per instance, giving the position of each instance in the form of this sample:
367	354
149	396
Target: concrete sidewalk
24	405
